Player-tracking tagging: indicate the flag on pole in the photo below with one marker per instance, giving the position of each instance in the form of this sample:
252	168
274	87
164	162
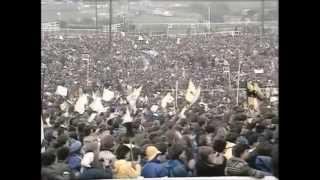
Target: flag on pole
192	93
133	97
182	115
62	91
64	106
258	71
127	118
97	106
92	117
167	99
140	38
48	122
80	104
42	137
154	108
107	95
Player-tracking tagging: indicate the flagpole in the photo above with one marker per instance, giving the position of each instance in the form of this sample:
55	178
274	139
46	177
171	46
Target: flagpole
238	82
176	99
88	71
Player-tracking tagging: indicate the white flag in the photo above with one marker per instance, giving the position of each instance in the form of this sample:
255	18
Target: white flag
147	42
64	106
167	99
182	115
80	104
140	38
192	93
154	108
48	122
63	91
107	95
178	40
42	136
92	116
97	106
133	97
258	71
273	99
127	118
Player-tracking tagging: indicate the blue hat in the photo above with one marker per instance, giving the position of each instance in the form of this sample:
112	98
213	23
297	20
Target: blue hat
74	147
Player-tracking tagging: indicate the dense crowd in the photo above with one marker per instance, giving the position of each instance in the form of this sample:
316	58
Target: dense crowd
211	137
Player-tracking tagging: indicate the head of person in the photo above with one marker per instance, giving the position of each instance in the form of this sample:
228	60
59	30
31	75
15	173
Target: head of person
151	152
48	158
210	128
252	139
202	140
219	145
175	151
232	137
122	151
107	142
204	153
241	151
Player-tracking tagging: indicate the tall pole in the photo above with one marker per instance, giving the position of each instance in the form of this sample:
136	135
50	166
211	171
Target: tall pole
209	17
262	17
110	24
97	15
238	82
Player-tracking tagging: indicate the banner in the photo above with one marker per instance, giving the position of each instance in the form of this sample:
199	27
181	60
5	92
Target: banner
167	99
258	71
107	95
192	93
62	91
133	97
127	118
97	106
80	104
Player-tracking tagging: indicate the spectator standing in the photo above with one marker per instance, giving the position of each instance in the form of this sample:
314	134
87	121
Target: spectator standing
237	166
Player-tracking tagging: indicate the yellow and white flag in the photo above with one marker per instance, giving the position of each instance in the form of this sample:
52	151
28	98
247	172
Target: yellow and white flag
167	99
127	118
107	95
192	93
133	97
80	104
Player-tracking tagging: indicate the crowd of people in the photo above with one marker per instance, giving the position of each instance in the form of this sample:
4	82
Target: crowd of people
214	136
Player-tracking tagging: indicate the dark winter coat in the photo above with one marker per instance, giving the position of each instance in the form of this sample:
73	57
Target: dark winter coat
95	173
154	169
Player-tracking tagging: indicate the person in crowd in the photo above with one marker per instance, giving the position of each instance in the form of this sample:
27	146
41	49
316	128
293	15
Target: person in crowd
60	168
209	163
237	165
175	166
106	155
124	166
153	168
47	159
263	161
91	169
74	158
